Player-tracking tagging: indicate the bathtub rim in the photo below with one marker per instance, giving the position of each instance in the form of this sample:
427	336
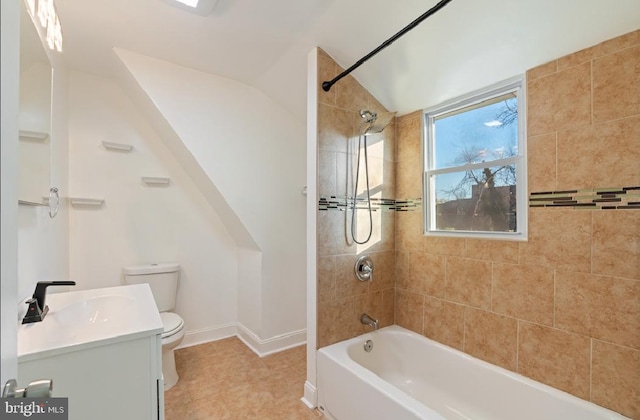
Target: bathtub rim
332	352
414	406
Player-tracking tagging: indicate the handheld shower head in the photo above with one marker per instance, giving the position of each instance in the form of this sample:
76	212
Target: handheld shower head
368	115
373	124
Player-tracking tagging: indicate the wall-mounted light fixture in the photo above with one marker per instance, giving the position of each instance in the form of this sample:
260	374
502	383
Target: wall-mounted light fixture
44	12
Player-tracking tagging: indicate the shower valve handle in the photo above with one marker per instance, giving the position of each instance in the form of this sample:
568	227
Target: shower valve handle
364	268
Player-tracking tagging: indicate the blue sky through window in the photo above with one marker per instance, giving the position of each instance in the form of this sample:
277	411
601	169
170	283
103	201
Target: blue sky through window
479	130
474	136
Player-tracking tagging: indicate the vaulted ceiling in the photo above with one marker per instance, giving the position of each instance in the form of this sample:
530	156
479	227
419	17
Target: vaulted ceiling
264	43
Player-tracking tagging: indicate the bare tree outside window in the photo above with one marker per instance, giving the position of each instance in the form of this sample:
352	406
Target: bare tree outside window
472	173
484	198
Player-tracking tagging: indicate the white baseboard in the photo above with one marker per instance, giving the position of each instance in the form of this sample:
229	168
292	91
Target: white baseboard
271	345
206	335
260	347
310	398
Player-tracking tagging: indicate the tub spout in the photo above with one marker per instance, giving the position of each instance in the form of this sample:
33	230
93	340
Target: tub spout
367	320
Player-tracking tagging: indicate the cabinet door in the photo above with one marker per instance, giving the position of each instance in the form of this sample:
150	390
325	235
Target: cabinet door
116	381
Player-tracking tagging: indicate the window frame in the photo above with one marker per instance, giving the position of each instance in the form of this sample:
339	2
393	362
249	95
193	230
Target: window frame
515	84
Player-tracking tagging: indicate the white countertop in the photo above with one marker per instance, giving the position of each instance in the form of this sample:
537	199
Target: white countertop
88	318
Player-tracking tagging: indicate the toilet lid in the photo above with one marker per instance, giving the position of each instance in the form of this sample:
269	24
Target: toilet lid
172	323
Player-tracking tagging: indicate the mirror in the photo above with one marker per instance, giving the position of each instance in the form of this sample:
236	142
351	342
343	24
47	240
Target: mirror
34	146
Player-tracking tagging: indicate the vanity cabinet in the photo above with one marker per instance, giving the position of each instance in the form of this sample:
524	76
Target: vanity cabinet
113	381
102	348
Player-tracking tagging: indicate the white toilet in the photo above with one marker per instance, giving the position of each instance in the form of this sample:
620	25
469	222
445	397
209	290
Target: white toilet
163	280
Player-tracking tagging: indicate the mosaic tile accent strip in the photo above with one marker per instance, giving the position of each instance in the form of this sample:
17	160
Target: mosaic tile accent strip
377	204
622	198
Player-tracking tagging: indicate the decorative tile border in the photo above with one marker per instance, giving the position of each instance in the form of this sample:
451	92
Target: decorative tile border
409	204
622	198
383	204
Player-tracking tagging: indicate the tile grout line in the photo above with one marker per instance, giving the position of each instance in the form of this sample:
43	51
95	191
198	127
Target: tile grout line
590	368
517	345
556	158
424	303
595	57
554	298
491	288
591	63
464	329
591	246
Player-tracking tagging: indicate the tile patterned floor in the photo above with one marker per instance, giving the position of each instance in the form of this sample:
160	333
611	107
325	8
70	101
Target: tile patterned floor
226	380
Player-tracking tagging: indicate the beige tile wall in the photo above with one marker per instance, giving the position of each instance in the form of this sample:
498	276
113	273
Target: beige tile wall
564	307
341	299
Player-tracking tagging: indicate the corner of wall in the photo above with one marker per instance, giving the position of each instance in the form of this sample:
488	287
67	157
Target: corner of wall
312	152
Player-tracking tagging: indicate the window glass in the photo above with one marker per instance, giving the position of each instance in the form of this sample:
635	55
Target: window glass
479	134
475	165
477	200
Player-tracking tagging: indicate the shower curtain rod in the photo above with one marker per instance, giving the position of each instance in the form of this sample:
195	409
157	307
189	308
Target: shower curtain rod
326	85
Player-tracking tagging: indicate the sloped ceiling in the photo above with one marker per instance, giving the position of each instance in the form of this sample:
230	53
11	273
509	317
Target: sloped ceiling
467	45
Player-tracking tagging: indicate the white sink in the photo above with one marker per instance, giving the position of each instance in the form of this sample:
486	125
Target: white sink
100	309
87	318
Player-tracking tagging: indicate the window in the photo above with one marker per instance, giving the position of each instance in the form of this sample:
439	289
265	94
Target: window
475	165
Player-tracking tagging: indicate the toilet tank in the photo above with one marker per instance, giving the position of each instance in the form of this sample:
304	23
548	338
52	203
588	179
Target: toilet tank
162	278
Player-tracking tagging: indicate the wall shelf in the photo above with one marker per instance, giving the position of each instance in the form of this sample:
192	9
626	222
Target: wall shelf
156	180
86	202
118	147
31	203
33	135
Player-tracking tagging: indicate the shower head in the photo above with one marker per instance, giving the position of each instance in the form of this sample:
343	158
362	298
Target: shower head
376	122
368	115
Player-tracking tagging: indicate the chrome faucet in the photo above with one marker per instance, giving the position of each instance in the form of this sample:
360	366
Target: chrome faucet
37	309
367	320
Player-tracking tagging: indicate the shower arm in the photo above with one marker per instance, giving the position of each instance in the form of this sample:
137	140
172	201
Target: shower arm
326	85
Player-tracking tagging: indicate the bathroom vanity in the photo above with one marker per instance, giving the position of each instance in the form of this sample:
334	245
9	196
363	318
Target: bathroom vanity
102	349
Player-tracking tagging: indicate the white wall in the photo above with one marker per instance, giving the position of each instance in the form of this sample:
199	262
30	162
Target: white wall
34	115
140	224
35	98
254	153
250	288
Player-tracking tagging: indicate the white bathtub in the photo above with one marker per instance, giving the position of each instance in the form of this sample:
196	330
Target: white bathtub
408	376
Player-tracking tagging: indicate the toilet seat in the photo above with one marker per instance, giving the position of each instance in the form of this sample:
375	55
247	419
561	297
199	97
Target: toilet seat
172	323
